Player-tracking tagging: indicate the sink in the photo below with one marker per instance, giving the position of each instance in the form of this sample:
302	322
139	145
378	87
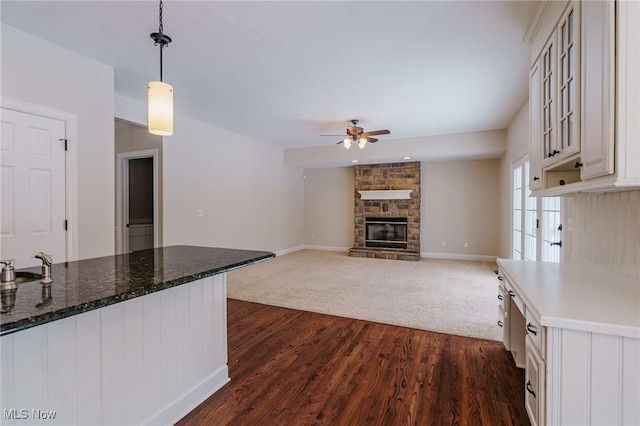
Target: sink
25	277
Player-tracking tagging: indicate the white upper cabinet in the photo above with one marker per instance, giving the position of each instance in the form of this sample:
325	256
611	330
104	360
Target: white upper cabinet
535	169
583	95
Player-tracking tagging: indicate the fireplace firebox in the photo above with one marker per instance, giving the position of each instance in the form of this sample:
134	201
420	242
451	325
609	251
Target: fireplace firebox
386	232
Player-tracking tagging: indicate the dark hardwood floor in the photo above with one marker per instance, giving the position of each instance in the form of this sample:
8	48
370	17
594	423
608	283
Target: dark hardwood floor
291	367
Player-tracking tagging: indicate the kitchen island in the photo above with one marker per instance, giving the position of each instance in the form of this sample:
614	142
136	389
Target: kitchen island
138	338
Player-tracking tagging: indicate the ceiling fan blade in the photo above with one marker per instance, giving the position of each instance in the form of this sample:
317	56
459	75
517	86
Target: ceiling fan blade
376	132
371	140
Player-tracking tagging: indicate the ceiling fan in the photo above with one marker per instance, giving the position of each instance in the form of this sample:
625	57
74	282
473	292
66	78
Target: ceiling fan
357	135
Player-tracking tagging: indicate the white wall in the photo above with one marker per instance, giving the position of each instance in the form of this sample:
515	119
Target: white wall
250	200
37	72
517	147
460	203
329	208
128	138
248	197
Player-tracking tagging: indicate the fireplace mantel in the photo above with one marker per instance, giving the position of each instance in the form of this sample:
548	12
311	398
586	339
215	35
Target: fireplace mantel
397	194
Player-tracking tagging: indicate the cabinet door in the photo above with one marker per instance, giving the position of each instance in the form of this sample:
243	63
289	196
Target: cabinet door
568	74
535	392
547	103
597	109
535	168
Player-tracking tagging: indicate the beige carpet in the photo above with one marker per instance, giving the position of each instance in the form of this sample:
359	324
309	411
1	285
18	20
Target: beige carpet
448	296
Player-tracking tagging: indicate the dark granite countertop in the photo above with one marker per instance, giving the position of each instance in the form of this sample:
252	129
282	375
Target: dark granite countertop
84	285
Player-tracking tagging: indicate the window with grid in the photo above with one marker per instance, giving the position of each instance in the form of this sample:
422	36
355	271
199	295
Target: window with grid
536	224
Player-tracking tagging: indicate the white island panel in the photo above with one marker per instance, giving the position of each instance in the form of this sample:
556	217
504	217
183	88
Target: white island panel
120	364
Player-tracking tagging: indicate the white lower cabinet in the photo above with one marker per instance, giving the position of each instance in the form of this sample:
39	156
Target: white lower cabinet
534	378
581	368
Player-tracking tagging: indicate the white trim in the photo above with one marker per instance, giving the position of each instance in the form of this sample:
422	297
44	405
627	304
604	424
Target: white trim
122	192
189	400
71	164
397	194
326	248
289	250
311	247
459	256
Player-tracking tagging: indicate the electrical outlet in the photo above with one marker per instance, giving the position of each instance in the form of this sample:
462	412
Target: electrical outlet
200	212
444	243
466	244
313	237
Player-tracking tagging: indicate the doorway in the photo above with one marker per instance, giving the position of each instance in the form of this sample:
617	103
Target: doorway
137	200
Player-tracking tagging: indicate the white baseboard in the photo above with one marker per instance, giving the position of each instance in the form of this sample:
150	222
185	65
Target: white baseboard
289	250
311	247
189	400
459	256
325	248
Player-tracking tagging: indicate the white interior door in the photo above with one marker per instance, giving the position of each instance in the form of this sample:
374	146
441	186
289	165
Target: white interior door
32	181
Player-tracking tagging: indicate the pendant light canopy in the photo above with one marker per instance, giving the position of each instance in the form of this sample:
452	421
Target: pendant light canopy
160	94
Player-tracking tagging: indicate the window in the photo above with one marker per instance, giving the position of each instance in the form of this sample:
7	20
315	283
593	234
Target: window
531	218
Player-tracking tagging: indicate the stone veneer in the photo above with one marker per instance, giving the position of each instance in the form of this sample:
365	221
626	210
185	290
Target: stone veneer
393	176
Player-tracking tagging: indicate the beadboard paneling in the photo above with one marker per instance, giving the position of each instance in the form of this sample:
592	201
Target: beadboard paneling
607	231
148	360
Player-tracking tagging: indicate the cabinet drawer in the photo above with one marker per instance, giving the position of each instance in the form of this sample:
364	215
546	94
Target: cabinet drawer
515	297
535	331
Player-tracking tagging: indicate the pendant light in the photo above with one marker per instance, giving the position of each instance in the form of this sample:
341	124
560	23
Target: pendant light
160	94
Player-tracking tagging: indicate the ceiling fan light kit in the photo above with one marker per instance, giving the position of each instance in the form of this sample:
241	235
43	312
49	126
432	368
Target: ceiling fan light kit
357	135
160	94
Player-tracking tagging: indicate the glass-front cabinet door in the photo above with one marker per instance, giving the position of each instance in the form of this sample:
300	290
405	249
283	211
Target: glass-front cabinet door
568	137
547	104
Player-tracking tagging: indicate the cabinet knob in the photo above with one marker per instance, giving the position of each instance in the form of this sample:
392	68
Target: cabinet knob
500	278
531	329
500	323
578	165
530	389
536	178
511	293
499	297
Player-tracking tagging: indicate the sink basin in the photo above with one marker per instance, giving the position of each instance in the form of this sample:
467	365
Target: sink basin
25	277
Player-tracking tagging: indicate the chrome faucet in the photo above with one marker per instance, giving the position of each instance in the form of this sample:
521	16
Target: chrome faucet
8	273
46	267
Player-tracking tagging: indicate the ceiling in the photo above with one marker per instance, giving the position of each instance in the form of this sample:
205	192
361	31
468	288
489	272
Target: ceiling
286	72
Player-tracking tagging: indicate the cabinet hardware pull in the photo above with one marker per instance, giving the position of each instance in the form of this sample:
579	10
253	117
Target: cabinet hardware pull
499	297
531	329
558	243
500	278
553	153
511	293
529	389
536	178
577	165
500	323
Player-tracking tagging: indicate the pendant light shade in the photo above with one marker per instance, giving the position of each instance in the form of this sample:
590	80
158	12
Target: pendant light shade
160	94
160	102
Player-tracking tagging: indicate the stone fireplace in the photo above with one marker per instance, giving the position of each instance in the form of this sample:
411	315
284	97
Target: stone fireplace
387	211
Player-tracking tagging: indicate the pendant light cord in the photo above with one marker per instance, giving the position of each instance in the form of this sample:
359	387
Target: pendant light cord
161	38
160	28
